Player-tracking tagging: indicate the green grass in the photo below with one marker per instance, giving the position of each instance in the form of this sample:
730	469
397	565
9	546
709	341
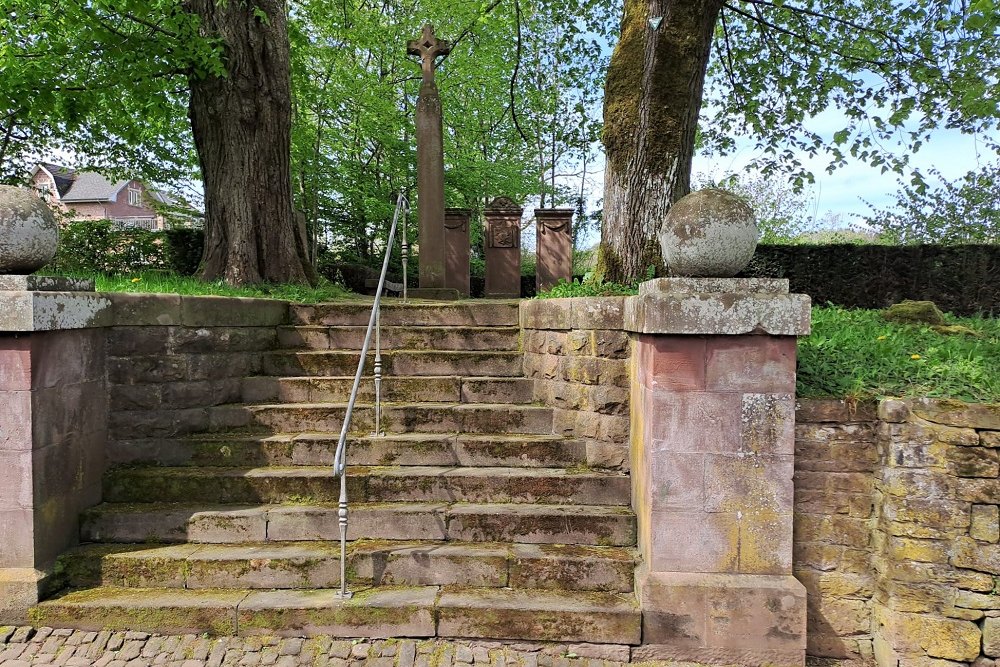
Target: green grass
857	354
163	283
587	288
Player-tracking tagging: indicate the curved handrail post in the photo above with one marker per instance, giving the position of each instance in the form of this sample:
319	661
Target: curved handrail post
340	458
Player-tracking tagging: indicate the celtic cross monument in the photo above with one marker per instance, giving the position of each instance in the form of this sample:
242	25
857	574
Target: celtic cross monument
430	161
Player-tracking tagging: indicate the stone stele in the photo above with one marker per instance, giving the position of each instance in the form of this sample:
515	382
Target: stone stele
709	233
29	233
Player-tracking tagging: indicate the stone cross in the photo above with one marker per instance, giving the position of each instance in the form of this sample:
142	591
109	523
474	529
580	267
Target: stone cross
430	162
428	47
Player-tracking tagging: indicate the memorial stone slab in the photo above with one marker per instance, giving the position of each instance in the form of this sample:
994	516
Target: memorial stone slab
503	249
554	248
456	248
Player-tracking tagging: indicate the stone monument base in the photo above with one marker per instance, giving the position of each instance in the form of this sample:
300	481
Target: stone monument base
722	618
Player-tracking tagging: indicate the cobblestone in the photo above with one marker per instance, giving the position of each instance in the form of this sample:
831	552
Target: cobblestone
55	647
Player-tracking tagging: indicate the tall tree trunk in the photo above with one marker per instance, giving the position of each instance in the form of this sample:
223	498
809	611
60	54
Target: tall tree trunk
651	103
242	131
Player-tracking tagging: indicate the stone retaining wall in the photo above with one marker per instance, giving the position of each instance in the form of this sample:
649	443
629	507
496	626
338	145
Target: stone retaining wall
90	379
173	360
937	557
896	520
578	354
896	526
836	457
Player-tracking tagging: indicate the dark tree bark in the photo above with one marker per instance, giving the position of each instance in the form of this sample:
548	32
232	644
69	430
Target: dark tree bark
651	103
242	131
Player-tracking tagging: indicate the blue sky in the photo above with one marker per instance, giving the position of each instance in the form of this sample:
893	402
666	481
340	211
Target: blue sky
845	191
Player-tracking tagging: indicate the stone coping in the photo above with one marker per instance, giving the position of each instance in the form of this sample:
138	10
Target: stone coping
682	306
722	313
715	286
27	311
943	411
11	283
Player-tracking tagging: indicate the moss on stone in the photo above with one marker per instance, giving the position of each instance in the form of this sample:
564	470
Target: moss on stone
914	312
955	330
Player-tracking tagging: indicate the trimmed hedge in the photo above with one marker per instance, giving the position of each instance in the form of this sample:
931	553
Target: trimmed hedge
962	279
97	246
182	250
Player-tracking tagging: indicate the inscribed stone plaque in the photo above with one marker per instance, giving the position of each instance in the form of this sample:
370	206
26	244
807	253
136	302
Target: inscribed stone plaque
503	248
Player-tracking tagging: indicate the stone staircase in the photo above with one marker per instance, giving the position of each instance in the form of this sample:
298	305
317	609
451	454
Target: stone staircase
469	518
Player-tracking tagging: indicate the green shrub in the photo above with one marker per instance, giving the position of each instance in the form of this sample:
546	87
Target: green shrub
962	279
98	247
183	248
587	288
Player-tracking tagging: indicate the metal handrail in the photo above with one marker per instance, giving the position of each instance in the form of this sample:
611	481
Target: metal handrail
374	325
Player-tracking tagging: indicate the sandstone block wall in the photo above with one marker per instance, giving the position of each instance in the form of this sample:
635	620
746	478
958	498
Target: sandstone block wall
53	426
175	364
578	354
936	555
836	456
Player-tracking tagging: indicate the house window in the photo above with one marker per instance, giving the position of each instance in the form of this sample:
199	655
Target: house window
134	197
44	191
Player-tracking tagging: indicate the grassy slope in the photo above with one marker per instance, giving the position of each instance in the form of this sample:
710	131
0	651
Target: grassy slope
855	353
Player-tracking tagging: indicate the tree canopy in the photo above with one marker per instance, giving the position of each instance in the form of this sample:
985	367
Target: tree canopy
109	82
764	69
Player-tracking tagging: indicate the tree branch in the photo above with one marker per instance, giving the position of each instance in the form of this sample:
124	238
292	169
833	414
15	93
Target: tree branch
836	19
760	20
513	76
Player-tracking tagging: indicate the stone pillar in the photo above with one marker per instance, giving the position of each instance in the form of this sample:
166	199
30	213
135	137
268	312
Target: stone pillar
554	248
503	249
53	427
430	161
713	417
456	250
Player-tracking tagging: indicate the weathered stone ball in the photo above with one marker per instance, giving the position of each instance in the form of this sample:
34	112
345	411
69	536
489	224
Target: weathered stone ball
709	233
29	232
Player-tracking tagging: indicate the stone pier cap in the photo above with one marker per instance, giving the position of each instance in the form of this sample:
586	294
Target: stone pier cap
50	303
718	306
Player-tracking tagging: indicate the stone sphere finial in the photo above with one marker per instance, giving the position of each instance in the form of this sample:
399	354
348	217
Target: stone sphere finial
710	233
29	232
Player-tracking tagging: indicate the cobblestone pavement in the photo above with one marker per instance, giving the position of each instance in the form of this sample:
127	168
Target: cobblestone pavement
26	646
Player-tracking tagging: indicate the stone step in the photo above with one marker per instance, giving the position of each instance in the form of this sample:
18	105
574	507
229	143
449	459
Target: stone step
424	611
402	418
221	524
317	449
326	363
396	313
294	565
315	484
315	337
395	388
